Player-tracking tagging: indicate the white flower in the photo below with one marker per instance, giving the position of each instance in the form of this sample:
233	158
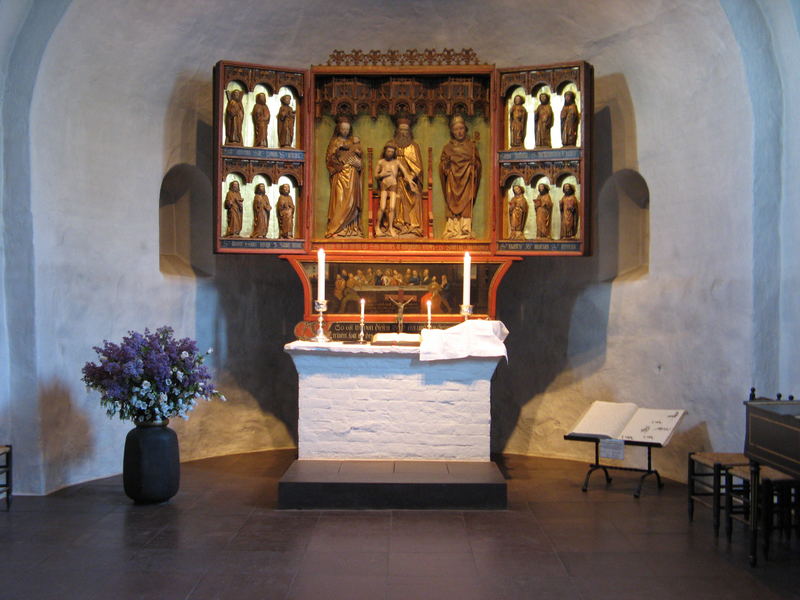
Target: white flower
179	375
210	351
145	385
184	354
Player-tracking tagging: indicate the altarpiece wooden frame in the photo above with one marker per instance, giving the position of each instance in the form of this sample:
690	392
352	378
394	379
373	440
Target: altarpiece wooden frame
507	115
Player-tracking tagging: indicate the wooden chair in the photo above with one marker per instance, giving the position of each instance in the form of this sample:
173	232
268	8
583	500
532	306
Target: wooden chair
706	481
778	501
5	471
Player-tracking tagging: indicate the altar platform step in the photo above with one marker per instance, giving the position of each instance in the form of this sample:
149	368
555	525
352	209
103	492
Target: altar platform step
392	484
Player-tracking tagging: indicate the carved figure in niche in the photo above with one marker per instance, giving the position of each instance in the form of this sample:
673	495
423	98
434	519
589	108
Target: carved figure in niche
261	210
286	115
234	117
233	208
518	121
569	212
386	176
544	211
343	160
409	183
517	214
285	207
570	118
260	117
460	173
544	121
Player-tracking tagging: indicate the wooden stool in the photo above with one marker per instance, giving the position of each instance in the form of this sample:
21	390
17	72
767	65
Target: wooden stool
710	492
778	501
5	470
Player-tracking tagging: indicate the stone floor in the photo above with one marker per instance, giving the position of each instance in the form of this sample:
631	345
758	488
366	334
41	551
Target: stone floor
221	537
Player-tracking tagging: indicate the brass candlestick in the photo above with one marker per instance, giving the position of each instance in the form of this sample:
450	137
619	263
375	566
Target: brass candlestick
361	330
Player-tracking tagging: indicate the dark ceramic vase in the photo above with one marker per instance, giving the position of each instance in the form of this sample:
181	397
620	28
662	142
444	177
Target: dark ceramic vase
151	469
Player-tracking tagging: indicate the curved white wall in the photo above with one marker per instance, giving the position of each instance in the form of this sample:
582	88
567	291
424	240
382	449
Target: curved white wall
662	315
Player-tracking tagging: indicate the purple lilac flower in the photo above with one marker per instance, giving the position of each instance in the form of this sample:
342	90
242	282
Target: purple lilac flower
135	378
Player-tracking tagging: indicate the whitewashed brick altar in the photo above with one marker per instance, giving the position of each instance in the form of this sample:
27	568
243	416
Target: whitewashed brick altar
382	402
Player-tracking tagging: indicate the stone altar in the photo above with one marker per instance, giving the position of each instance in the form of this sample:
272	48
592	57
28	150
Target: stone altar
358	401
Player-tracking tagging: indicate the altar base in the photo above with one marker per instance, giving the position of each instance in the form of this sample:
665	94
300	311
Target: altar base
379	484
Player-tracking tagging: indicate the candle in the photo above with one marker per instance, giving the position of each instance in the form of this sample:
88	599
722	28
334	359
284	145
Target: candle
429	313
467	275
321	275
362	308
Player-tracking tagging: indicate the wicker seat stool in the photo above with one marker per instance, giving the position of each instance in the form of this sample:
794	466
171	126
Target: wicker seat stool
5	471
778	501
706	484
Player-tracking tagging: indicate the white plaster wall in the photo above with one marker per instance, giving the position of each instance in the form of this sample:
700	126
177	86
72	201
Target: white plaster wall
783	19
123	95
12	16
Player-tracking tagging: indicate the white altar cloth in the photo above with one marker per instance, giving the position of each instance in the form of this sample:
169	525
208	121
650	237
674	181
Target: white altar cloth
358	401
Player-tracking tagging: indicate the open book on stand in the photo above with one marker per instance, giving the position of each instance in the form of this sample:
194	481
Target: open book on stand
626	421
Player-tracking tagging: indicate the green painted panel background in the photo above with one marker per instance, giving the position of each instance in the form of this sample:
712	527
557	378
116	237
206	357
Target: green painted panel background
427	132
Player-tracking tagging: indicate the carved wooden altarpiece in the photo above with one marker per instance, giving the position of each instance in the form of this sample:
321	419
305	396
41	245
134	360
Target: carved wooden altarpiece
524	134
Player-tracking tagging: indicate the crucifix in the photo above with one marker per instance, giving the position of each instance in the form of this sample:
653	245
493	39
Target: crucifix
400	304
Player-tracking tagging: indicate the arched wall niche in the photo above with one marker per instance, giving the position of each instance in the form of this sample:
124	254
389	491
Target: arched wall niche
579	332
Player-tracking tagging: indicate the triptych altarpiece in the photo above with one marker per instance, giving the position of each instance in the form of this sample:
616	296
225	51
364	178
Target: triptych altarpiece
397	163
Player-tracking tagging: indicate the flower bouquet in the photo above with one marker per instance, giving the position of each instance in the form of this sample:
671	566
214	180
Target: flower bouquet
150	376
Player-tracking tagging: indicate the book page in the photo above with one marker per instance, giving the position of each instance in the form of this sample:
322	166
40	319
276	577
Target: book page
652	425
604	419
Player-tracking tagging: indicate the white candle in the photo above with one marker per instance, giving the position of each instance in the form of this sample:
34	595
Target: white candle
362	308
429	312
321	275
467	274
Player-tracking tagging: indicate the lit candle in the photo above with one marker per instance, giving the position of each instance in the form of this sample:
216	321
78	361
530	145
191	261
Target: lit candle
467	275
429	313
321	275
362	308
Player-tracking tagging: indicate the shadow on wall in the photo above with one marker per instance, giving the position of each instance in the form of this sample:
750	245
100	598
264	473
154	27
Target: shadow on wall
557	308
247	310
246	306
67	439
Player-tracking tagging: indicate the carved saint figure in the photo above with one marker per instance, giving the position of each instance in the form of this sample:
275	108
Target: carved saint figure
285	208
408	217
285	122
544	121
570	118
234	116
261	210
343	159
518	121
517	214
460	173
386	177
544	211
569	212
233	209
260	116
